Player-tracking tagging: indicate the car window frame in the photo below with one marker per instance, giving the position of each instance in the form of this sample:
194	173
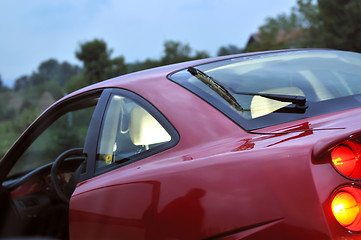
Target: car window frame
315	109
42	123
92	146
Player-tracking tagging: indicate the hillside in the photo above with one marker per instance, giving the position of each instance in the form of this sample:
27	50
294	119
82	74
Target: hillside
18	109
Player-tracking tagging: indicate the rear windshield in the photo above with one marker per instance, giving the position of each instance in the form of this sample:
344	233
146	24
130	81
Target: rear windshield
329	80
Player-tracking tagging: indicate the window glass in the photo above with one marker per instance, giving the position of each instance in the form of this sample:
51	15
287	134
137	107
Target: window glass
128	130
66	132
328	80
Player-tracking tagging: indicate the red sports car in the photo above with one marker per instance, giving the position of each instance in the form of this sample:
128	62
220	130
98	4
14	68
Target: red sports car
253	146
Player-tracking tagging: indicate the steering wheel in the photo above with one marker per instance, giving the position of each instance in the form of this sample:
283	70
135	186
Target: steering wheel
76	153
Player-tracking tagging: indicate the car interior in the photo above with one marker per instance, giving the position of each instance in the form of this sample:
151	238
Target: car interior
34	197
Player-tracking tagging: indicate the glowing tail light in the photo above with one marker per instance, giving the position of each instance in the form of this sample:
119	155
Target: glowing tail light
346	207
345	158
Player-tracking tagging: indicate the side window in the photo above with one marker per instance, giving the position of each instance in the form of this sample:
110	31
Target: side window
128	131
67	130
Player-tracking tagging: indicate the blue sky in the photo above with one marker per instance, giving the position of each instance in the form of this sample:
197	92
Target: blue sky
37	30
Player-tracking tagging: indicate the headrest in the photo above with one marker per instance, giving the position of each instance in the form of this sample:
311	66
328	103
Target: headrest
145	129
261	106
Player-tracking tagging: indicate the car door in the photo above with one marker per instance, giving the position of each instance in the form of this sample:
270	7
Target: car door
113	200
31	204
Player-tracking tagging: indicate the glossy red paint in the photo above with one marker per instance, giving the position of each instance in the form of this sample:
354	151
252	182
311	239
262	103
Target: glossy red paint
219	181
234	184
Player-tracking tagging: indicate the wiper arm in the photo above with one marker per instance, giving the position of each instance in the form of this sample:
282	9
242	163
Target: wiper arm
218	88
298	101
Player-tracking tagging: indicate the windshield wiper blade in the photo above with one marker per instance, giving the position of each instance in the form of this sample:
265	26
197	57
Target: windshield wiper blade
215	86
299	102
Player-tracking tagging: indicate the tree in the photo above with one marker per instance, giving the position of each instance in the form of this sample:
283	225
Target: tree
323	24
117	67
49	68
96	59
21	83
47	71
200	55
332	24
37	78
284	31
75	82
308	12
3	88
67	71
141	65
228	50
175	52
341	24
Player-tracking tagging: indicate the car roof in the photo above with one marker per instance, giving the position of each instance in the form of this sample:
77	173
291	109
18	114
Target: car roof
160	72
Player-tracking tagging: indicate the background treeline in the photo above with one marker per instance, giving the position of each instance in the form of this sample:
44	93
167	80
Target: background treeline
322	24
32	94
332	24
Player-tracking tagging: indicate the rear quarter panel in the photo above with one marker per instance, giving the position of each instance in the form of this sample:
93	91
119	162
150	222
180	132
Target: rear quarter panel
218	182
258	193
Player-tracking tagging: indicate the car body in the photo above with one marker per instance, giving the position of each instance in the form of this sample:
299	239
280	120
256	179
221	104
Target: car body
208	149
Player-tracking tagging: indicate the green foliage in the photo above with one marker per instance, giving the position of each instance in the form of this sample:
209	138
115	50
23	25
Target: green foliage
175	52
323	24
12	125
24	119
53	87
49	69
146	64
97	62
96	59
341	24
280	32
200	55
50	75
8	136
3	88
18	109
6	111
21	83
116	68
33	93
52	70
66	72
311	25
228	50
62	136
76	82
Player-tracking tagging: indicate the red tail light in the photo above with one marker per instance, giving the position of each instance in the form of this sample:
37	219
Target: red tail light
345	158
346	207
